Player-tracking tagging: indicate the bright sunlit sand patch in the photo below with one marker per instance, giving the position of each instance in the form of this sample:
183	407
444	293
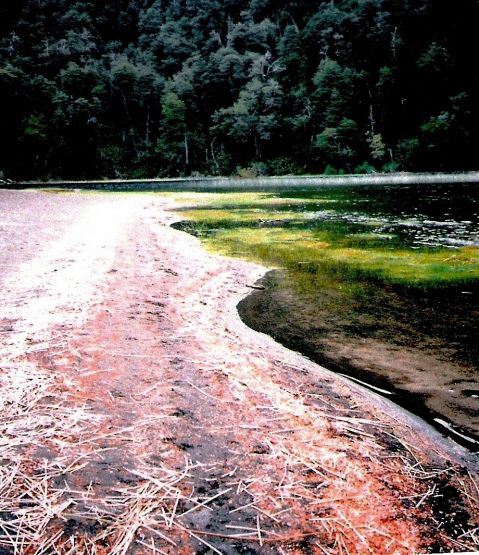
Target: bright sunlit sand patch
68	270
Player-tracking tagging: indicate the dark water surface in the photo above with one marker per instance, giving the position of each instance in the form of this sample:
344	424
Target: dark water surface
403	322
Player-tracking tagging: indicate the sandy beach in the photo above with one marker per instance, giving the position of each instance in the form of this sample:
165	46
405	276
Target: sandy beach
139	414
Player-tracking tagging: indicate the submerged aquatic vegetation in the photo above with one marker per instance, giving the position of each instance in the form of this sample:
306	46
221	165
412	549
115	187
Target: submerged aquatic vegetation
307	237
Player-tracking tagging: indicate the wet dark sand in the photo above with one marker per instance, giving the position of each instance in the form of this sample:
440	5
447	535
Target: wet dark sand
427	365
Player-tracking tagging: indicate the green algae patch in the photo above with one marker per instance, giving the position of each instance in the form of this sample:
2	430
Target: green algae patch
307	238
246	200
425	267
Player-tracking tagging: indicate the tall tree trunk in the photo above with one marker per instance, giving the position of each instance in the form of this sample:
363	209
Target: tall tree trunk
213	156
147	128
372	121
187	150
257	144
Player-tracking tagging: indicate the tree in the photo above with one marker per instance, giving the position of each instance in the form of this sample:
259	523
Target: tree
252	120
339	146
135	88
336	93
172	145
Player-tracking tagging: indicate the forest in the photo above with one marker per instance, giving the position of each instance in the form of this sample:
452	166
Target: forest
151	88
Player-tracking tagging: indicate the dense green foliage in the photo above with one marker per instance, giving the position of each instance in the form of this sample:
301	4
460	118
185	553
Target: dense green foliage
140	88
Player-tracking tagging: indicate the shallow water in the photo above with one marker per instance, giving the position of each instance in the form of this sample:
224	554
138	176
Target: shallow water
432	215
379	283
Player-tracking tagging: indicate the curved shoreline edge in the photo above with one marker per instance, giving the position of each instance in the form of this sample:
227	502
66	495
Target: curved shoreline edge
411	402
443	443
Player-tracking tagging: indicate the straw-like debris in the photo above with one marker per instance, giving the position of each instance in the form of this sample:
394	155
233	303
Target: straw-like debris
38	436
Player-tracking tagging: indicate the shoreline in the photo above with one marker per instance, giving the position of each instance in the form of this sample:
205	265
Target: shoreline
414	404
268	182
458	452
444	442
188	412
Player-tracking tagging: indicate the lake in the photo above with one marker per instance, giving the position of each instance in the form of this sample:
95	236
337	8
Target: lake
379	283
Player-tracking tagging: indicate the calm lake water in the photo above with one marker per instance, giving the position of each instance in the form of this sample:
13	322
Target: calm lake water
380	283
